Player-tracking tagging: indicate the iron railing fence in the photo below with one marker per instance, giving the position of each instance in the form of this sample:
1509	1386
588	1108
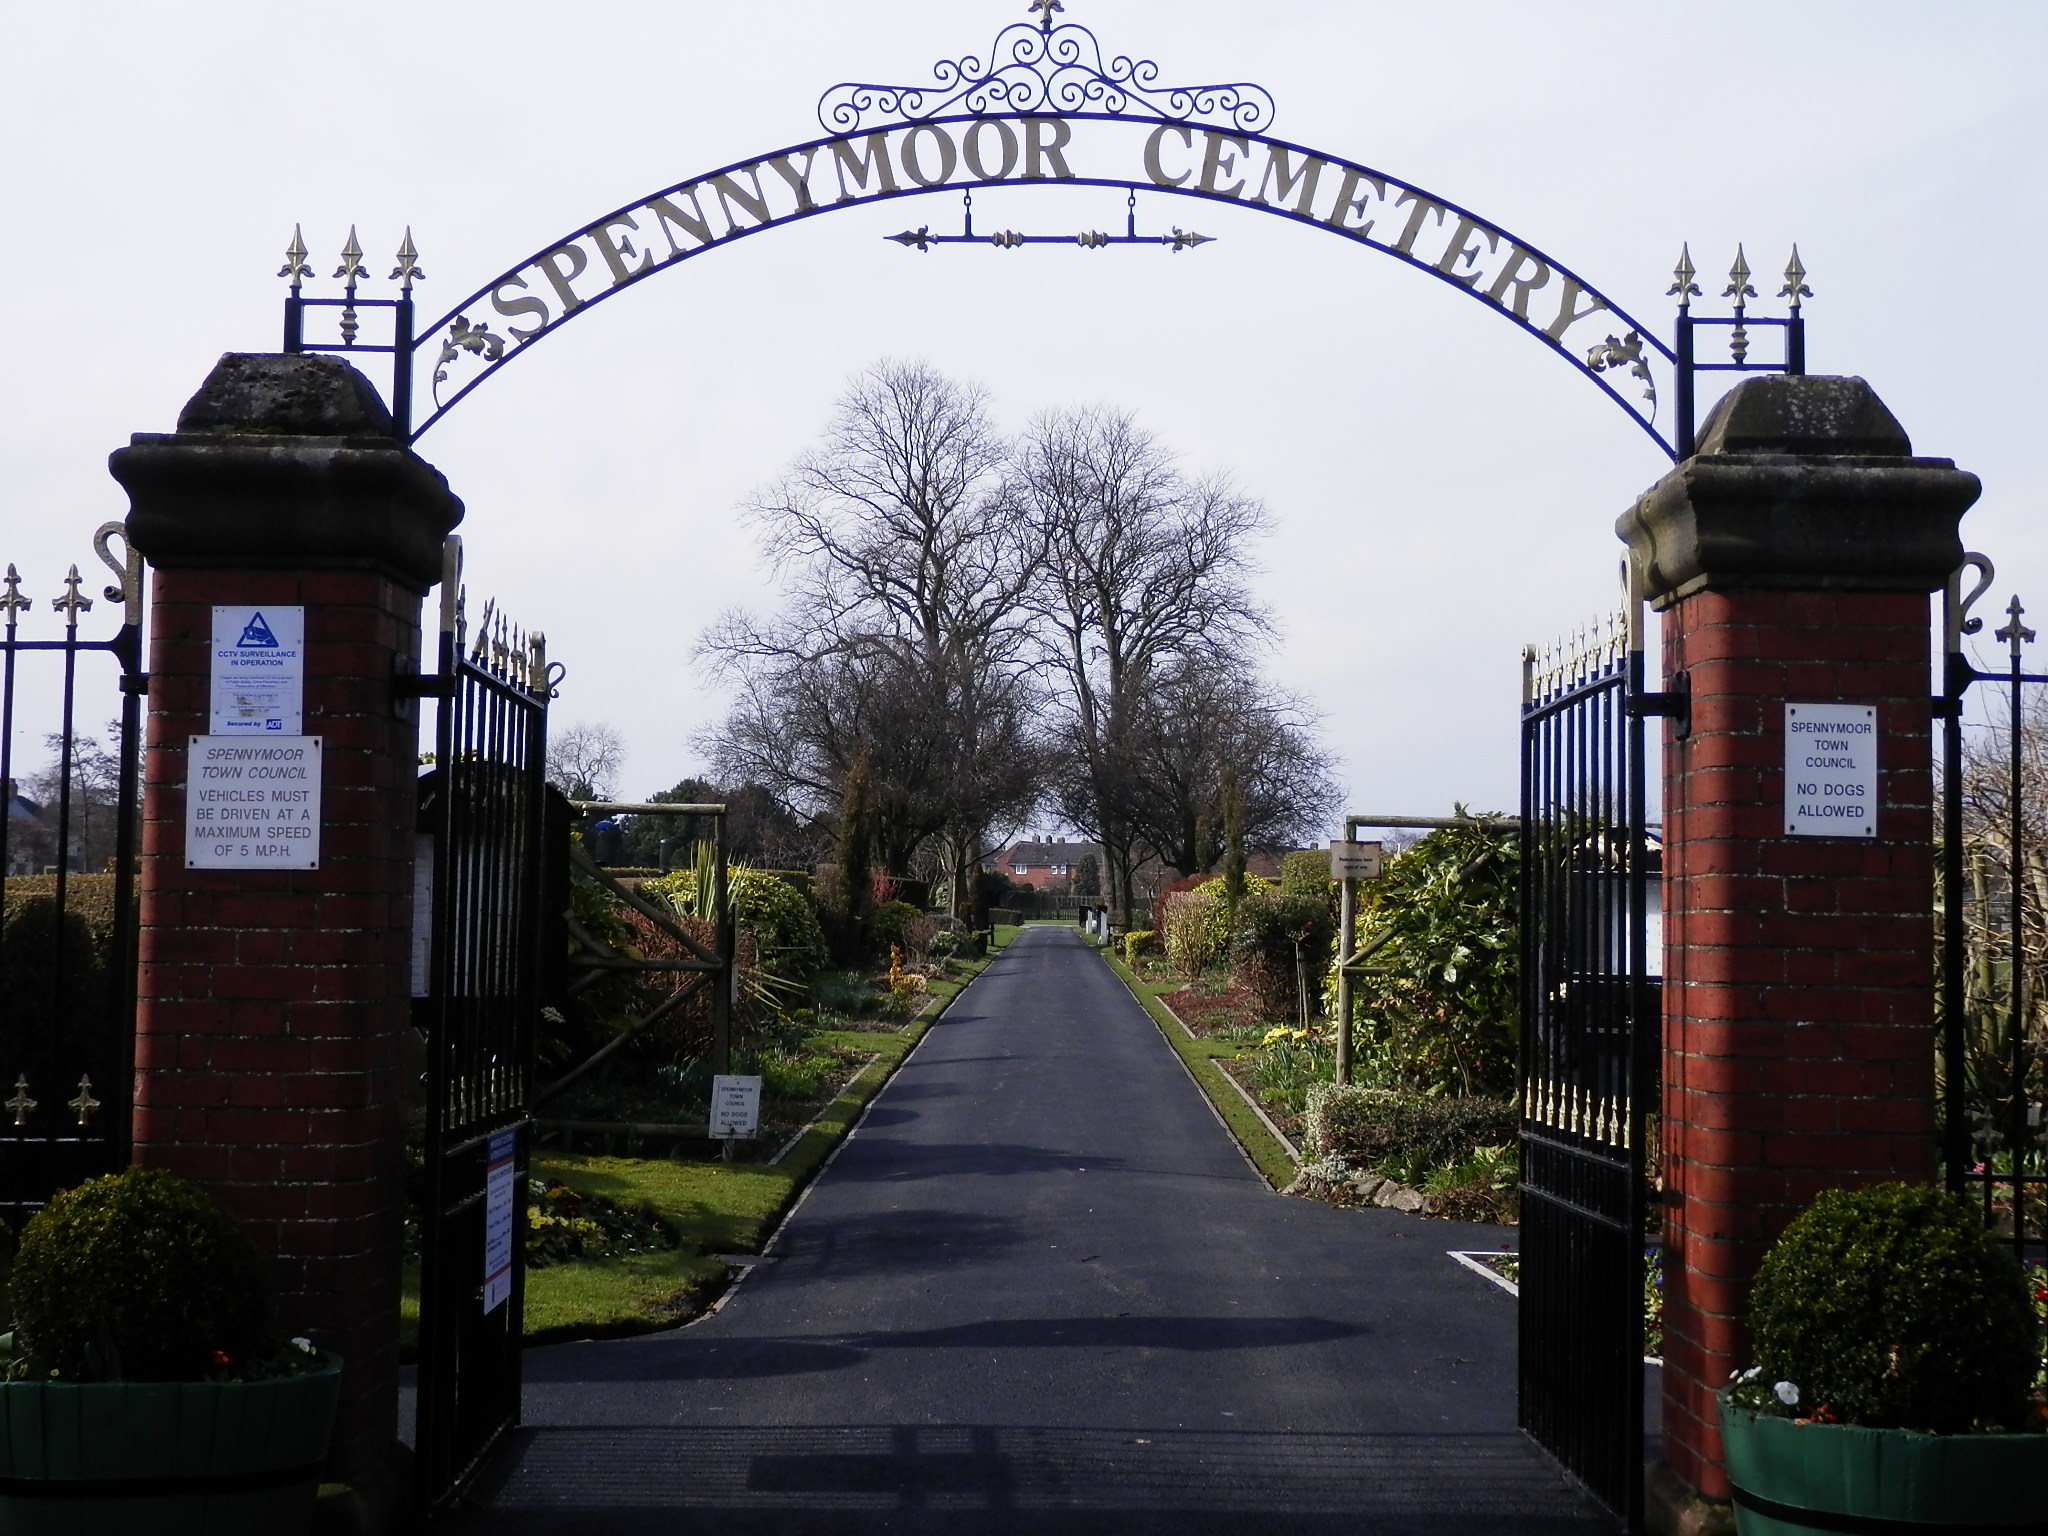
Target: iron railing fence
1992	914
68	845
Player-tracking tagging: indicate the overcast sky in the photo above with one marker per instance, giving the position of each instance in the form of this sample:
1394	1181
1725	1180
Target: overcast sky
1443	488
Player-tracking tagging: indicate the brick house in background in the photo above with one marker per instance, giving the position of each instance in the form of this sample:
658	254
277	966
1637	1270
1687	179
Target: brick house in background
1051	866
1044	866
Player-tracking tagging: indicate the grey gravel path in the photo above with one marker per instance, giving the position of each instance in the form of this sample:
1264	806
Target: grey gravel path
1040	1291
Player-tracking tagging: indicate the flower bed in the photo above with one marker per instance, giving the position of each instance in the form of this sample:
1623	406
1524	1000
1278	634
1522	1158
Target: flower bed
564	1225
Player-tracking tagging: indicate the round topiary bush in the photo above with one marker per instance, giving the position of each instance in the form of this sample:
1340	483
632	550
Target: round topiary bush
137	1276
1894	1307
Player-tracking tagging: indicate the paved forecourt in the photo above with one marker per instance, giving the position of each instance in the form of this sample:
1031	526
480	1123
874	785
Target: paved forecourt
1040	1290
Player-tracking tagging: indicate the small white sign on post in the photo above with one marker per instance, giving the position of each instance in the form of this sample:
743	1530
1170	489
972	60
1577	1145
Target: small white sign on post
735	1106
258	670
1830	770
501	1186
1354	861
252	803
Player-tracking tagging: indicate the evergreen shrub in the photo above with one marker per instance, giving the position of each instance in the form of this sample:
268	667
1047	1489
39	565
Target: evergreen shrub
789	942
137	1276
899	925
1272	934
1139	941
1894	1307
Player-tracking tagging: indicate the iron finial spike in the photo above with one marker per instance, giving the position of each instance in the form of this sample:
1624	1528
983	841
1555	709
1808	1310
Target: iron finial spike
1738	287
11	600
351	268
1044	10
1795	287
73	602
408	268
1682	277
2015	633
351	259
296	267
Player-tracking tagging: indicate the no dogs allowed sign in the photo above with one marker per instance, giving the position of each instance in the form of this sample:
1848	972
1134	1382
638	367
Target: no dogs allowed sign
1830	770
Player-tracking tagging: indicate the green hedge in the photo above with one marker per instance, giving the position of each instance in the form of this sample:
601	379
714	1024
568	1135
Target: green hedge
1371	1126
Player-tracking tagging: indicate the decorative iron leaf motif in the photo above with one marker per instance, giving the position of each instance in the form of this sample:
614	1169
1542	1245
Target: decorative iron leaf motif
464	337
1613	353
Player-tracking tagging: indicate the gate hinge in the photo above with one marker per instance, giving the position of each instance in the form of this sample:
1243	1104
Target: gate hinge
420	685
1674	704
1944	708
136	683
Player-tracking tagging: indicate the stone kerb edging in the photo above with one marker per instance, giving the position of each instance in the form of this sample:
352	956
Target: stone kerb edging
1293	1152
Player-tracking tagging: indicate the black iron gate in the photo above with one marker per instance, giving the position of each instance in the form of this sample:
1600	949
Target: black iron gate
485	815
68	851
1589	1015
1993	914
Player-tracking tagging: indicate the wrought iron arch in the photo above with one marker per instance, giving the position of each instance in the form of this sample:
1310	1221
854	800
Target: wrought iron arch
1043	99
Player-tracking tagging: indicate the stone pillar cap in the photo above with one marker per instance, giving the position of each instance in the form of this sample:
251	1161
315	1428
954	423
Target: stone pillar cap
1800	484
286	462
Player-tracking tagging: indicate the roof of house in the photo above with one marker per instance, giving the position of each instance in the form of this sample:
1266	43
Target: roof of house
1035	854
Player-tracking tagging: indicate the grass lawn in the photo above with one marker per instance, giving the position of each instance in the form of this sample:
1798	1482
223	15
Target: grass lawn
716	1207
1201	1055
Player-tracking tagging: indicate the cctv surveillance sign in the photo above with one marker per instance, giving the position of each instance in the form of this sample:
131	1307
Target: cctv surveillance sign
258	670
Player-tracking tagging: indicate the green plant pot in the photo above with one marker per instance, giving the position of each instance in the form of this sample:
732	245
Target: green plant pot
1791	1479
197	1458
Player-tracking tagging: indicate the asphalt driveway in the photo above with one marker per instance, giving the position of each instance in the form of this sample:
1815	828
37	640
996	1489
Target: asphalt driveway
1041	1291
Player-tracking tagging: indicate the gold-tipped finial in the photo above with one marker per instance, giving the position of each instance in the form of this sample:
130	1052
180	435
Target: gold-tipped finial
12	603
408	268
1682	277
296	267
1795	287
1738	287
351	268
85	1103
21	1103
73	602
351	260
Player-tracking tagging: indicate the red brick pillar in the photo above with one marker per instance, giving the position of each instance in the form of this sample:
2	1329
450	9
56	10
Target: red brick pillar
272	1003
1792	559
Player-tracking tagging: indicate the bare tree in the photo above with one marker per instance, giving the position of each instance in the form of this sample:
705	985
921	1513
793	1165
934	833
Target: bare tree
1144	571
904	635
584	761
1213	742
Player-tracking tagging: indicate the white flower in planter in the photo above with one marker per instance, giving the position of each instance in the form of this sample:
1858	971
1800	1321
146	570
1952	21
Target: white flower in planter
1788	1394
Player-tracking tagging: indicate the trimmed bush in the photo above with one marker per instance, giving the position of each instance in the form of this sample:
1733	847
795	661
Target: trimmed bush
1894	1307
1369	1127
137	1276
1139	941
1273	934
1307	873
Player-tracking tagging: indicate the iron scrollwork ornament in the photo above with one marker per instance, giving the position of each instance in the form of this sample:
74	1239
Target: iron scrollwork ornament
1044	67
463	337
